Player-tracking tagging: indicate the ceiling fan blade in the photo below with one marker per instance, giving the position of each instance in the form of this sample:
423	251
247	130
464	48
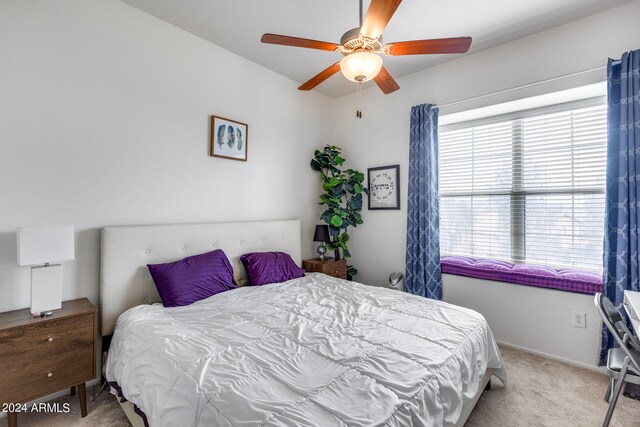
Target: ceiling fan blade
422	47
297	42
385	81
378	16
320	77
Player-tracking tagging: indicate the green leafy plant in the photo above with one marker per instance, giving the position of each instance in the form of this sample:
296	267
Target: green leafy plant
342	198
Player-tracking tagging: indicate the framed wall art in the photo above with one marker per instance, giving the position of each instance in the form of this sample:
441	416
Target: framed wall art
229	139
384	187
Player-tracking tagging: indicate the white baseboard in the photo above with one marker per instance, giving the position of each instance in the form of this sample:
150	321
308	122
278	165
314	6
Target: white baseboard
49	397
593	368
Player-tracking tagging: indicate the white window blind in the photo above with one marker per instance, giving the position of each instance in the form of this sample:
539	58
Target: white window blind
526	186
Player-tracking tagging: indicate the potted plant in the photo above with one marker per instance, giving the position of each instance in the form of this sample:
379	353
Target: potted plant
342	198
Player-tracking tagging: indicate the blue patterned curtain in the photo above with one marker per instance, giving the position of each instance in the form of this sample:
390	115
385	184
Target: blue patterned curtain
621	259
423	223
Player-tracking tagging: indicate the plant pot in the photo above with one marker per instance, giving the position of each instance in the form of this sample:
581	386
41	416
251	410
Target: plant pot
337	254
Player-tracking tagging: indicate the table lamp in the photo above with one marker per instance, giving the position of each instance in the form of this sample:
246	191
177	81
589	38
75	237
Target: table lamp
41	248
321	235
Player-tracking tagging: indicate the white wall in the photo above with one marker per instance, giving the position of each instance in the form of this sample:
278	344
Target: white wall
530	318
104	120
382	138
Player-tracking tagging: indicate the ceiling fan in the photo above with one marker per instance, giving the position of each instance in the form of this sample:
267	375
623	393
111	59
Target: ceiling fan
363	45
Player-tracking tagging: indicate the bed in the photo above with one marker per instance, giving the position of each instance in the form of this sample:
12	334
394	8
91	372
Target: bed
310	351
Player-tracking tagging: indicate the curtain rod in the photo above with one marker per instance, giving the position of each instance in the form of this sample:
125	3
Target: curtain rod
525	86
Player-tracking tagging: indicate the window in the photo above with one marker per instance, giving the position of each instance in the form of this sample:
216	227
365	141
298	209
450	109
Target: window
526	186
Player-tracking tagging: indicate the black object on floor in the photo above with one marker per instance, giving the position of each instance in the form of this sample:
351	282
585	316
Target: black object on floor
632	391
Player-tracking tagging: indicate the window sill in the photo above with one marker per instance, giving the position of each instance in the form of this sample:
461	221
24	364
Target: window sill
568	280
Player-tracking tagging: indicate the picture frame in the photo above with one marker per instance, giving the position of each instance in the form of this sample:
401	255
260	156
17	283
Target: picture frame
384	187
229	139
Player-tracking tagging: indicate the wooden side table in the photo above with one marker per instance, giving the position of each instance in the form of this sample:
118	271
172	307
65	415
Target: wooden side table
329	266
39	356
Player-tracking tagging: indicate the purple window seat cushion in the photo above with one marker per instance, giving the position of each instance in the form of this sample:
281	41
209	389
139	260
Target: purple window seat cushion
193	278
270	267
532	275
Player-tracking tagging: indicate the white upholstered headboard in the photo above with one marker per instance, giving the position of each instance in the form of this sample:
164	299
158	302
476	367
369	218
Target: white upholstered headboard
124	278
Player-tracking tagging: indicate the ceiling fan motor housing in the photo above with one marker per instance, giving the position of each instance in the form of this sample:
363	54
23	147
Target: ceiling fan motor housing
352	40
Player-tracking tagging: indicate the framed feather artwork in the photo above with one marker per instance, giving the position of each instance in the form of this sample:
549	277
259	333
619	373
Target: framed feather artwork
229	139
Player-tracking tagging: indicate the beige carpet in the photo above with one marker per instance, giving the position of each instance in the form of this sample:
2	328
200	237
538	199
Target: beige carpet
541	392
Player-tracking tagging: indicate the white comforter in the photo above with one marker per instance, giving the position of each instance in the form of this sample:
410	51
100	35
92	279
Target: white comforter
314	351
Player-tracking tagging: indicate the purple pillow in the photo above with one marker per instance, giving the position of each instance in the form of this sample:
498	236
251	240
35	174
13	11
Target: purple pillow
270	267
193	278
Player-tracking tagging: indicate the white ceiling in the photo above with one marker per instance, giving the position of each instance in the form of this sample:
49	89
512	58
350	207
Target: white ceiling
237	25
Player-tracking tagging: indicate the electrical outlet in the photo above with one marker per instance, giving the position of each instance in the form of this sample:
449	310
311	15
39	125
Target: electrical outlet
579	319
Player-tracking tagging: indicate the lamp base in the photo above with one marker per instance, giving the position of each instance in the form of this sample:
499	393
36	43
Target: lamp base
321	251
46	289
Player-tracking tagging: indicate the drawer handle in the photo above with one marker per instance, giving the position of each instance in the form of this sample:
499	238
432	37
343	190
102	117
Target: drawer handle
50	339
50	374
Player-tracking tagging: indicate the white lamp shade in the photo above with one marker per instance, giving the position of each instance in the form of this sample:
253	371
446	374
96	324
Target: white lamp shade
41	245
361	66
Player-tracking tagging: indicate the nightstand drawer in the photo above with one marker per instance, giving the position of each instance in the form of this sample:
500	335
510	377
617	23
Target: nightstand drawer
49	337
38	377
335	269
329	266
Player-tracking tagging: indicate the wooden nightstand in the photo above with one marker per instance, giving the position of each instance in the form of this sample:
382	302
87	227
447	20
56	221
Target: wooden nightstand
39	356
329	266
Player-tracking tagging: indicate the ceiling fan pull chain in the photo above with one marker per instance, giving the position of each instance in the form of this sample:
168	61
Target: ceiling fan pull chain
359	101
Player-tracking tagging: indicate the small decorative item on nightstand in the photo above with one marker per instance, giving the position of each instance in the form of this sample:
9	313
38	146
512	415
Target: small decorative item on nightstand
321	235
328	266
39	356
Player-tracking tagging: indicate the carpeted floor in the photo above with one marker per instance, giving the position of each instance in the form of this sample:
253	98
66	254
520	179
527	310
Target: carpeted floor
541	392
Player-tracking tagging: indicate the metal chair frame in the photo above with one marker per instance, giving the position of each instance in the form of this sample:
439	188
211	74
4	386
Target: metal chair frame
629	346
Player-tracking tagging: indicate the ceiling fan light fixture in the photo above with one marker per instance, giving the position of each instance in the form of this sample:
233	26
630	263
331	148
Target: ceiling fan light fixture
361	66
